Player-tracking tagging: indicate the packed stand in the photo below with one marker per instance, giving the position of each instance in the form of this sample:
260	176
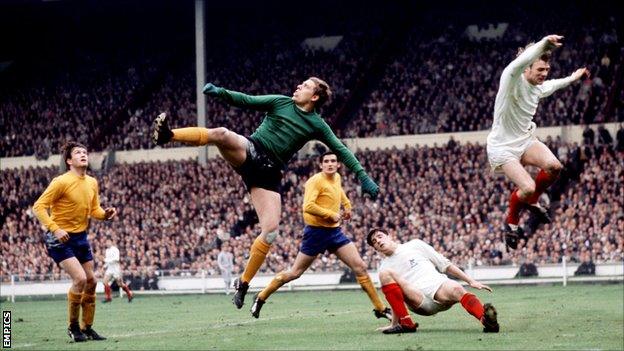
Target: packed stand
174	216
446	82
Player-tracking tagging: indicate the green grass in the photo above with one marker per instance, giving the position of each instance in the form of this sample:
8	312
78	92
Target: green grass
532	318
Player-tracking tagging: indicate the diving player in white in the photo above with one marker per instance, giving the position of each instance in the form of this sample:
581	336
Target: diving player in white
412	273
113	272
511	143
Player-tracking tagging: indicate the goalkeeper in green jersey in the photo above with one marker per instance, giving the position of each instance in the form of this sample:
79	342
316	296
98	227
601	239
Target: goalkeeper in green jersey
290	122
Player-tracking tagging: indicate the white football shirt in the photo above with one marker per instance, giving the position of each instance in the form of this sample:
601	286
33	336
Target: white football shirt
516	101
418	263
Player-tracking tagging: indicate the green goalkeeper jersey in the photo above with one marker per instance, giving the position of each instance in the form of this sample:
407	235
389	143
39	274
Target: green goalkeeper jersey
286	128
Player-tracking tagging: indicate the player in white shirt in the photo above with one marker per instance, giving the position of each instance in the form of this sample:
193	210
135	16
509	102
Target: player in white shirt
412	273
225	261
113	272
511	143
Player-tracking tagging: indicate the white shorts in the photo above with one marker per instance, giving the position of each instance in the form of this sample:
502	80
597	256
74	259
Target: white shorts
430	307
501	154
429	287
113	272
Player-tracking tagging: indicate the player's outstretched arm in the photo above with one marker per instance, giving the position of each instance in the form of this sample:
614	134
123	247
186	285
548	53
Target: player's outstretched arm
513	71
552	85
348	158
458	273
580	73
238	99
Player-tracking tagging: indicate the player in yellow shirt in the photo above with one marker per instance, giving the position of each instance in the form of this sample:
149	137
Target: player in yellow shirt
322	200
72	199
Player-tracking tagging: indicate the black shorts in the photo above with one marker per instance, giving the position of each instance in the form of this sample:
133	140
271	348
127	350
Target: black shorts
259	169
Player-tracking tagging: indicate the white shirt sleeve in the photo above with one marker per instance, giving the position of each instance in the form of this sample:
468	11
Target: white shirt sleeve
550	86
440	262
512	72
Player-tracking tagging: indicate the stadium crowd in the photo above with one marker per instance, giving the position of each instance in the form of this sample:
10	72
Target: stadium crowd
448	83
435	80
174	216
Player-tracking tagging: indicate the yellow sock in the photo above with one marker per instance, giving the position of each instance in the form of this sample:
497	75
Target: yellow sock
88	309
191	135
73	306
367	285
275	284
259	250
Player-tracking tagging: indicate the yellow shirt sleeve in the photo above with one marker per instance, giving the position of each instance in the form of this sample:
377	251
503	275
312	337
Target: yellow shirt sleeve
345	200
45	201
97	211
312	191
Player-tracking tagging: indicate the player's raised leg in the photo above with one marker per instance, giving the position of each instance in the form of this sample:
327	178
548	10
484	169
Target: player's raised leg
349	255
301	264
539	155
232	146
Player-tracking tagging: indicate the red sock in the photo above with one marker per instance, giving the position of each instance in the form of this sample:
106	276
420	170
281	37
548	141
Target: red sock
473	305
107	292
394	295
515	205
127	290
542	181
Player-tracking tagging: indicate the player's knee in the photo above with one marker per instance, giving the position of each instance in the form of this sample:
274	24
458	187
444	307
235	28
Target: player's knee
457	292
220	134
270	225
90	281
80	281
359	268
527	189
271	236
296	274
555	167
291	275
90	284
386	277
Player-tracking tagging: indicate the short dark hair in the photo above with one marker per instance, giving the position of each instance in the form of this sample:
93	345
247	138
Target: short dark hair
67	149
322	90
325	154
545	56
369	237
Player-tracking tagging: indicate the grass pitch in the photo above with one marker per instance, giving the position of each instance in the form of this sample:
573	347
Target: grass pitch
532	318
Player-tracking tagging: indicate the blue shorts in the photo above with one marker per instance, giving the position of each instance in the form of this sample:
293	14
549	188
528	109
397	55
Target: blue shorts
317	240
77	246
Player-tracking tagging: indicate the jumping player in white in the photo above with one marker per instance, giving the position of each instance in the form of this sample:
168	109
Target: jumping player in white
511	143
